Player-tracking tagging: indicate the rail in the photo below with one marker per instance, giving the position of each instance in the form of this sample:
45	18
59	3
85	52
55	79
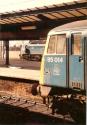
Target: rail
31	105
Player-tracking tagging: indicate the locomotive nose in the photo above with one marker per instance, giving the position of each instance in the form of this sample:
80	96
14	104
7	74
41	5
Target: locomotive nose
40	90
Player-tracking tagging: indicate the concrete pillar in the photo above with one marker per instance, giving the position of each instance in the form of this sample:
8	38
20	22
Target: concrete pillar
7	52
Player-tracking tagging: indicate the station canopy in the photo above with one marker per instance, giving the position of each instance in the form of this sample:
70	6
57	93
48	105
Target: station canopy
39	14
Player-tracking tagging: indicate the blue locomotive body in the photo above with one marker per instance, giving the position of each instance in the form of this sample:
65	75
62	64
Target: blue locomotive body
55	70
65	58
36	49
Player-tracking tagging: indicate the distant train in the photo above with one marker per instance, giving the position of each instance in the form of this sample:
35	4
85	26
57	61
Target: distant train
32	51
63	77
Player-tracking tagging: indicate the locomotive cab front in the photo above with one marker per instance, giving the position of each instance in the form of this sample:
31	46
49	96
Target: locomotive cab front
55	61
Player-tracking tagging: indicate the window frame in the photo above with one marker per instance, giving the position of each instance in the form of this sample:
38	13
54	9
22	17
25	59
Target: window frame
72	47
63	33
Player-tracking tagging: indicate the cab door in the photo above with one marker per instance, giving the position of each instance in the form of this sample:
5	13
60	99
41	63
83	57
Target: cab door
85	58
76	61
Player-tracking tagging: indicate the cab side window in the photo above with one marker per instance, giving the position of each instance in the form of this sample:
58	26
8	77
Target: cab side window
76	43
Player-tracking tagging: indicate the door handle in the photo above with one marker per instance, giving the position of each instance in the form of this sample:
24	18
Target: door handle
80	59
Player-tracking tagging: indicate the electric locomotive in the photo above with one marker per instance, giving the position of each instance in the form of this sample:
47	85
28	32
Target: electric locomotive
32	51
63	76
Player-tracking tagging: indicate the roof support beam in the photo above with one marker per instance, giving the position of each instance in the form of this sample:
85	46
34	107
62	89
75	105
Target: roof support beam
24	35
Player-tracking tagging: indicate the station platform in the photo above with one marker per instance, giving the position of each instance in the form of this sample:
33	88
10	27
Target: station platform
17	72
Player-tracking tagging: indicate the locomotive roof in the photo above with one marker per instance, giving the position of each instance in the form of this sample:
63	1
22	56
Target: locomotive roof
70	26
36	45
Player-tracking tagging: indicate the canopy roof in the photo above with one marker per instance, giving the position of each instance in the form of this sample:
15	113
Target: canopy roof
23	11
38	15
17	5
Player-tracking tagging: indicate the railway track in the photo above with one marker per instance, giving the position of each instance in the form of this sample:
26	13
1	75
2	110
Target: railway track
31	105
16	93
